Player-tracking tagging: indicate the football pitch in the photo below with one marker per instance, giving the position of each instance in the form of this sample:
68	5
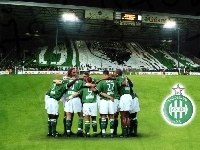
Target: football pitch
23	119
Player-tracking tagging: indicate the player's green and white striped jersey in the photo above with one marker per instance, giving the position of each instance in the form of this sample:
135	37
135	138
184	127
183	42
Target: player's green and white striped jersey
88	96
122	89
107	86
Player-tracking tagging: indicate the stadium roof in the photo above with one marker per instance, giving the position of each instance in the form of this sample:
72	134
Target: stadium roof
41	19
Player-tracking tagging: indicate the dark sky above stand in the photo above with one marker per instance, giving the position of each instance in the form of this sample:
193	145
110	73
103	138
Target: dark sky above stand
184	7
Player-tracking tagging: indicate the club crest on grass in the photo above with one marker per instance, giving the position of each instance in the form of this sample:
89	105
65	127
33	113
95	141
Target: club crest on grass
178	109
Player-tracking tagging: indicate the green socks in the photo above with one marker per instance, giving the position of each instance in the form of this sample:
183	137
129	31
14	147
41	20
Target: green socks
124	131
53	124
80	124
68	126
49	126
94	126
87	127
103	124
111	126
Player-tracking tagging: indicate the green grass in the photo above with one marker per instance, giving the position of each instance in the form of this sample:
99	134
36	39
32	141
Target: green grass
23	117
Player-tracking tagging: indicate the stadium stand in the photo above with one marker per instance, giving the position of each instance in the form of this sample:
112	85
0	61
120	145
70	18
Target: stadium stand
98	55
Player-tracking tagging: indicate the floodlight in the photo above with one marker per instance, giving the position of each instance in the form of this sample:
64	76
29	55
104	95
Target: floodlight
69	17
170	24
139	17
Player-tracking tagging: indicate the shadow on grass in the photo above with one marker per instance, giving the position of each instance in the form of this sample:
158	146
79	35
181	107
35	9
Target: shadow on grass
75	137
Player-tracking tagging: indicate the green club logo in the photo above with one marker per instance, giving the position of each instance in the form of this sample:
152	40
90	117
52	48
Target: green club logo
178	109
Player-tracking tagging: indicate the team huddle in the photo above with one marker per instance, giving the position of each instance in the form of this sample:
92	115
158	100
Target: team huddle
86	96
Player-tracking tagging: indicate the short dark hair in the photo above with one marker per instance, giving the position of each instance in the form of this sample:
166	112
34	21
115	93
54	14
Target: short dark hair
119	72
86	73
89	79
106	72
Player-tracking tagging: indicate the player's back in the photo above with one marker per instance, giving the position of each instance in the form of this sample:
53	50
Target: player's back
88	96
107	86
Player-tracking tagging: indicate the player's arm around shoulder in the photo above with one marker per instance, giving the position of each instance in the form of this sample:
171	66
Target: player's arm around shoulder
65	79
89	85
56	81
124	81
72	96
107	96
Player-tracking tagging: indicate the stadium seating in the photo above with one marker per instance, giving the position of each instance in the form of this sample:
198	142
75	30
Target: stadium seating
93	55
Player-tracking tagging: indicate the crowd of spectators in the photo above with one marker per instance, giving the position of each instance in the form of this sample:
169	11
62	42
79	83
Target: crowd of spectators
10	64
115	51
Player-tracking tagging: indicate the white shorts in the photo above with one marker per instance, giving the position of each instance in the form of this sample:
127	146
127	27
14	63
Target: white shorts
90	109
135	105
116	105
63	99
52	106
45	101
125	103
74	105
106	107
